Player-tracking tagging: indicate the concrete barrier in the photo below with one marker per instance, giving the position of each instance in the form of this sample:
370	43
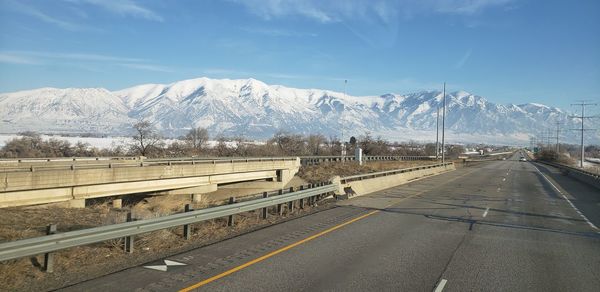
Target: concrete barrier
577	174
373	182
49	186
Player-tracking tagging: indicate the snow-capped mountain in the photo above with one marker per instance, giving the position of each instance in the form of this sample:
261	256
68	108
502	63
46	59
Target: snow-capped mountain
254	109
80	110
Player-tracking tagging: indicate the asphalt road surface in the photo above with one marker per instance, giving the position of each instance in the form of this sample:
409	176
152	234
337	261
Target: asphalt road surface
495	226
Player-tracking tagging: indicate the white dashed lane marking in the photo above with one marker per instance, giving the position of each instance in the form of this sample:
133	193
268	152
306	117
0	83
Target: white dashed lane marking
440	285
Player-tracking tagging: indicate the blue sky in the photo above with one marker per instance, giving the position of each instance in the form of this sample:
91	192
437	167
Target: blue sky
509	51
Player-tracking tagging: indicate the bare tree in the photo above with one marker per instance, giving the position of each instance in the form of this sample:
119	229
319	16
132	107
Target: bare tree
145	138
367	143
197	138
240	148
221	149
289	144
334	145
314	142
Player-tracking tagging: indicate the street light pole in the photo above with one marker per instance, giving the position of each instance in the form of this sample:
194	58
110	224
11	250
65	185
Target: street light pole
342	127
444	126
437	134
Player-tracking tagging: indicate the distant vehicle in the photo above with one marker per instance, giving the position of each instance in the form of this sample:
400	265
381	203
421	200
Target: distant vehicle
522	159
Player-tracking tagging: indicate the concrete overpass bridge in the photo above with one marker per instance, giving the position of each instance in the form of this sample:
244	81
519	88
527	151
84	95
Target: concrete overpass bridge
64	181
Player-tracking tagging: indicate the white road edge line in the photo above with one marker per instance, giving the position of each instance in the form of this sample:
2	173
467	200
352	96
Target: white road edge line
569	201
440	285
486	211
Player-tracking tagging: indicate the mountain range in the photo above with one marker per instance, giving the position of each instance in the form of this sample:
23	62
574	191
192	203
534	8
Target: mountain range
256	110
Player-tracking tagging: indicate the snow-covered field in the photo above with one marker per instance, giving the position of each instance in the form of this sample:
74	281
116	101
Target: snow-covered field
109	142
101	143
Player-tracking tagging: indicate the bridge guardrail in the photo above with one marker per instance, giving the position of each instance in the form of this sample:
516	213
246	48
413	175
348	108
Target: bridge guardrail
141	163
579	174
111	162
312	160
389	172
570	168
50	243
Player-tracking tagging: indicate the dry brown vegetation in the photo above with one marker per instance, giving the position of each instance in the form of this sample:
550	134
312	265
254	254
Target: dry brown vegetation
324	172
81	263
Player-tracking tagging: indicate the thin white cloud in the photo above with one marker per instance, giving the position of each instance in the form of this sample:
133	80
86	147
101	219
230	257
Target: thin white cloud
467	6
147	67
124	8
38	14
376	22
70	56
321	11
16	59
385	11
461	62
274	32
90	62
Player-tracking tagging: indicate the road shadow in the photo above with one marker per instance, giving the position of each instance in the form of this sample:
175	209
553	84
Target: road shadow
508	211
473	222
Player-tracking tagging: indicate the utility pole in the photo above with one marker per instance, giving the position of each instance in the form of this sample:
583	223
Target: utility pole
444	127
557	133
343	143
437	134
583	104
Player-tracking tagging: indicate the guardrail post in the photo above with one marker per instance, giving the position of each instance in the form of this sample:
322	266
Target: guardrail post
230	219
129	239
301	200
291	203
49	257
187	228
311	199
265	212
279	206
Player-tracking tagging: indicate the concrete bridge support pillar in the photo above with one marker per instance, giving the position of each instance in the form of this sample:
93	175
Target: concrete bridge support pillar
117	203
196	198
76	203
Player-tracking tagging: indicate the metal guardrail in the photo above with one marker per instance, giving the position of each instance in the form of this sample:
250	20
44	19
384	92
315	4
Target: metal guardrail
501	153
141	163
594	161
41	164
66	159
312	160
59	241
389	172
570	168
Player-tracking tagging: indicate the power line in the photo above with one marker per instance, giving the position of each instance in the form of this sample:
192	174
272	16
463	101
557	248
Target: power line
583	104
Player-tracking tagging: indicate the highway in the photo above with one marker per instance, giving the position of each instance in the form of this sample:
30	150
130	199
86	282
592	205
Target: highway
494	226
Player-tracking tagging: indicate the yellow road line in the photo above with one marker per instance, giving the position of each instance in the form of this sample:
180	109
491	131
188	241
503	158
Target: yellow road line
273	253
262	258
